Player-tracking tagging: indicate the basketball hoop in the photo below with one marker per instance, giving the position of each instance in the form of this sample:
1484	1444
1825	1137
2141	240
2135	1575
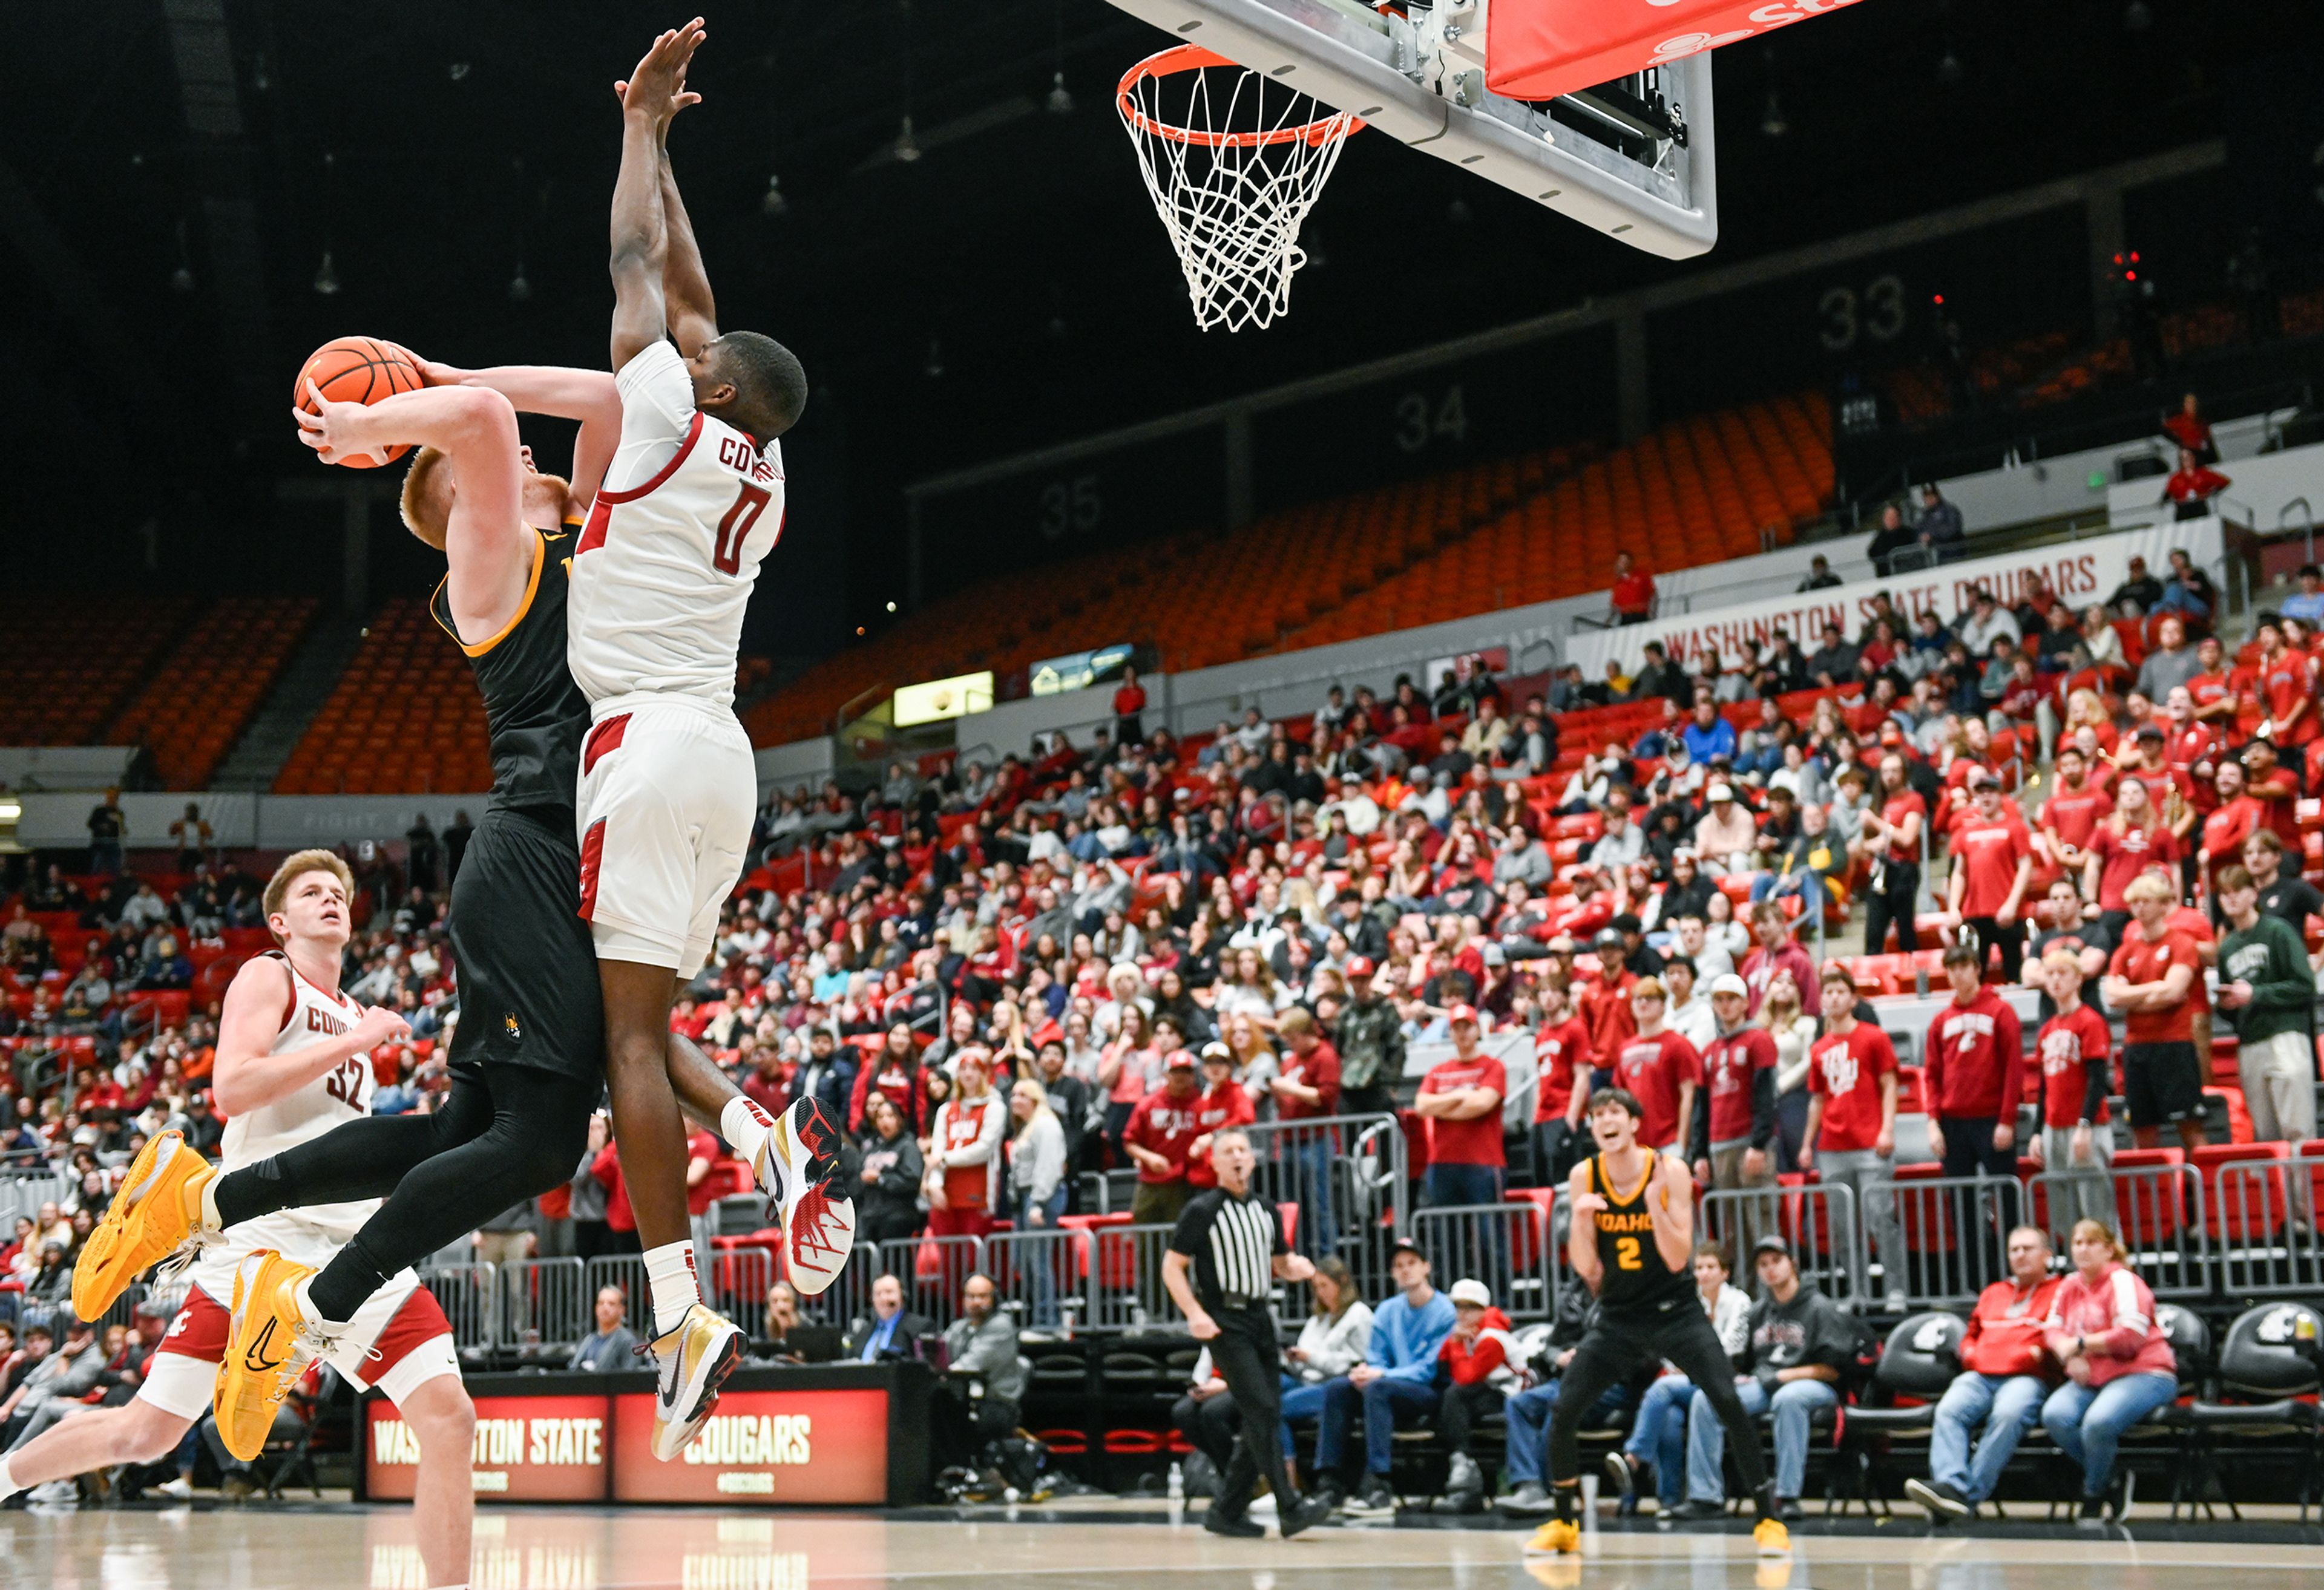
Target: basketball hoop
1233	170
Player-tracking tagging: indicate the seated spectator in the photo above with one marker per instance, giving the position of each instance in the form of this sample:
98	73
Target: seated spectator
1726	837
983	1387
789	1338
1835	661
1812	864
613	1346
1655	1453
1475	1370
890	1330
887	1188
1820	575
1986	621
1332	1343
1206	1415
1799	1343
2189	590
2119	1363
2308	604
2007	1374
1396	1380
1894	547
2172	662
1708	734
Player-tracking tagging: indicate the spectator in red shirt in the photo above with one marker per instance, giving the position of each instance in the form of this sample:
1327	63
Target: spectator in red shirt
1892	838
1660	1068
2276	790
1562	1056
894	1071
2071	815
1993	860
1223	1104
1634	591
2134	839
1460	1100
1160	1138
1851	1136
1973	1068
2193	482
1777	952
2007	1374
2074	1049
2190	430
1477	1367
1734	1144
2283	689
1129	702
1307	1088
2153	981
2238	818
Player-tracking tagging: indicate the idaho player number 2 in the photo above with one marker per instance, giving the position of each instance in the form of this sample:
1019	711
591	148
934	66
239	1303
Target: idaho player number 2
750	502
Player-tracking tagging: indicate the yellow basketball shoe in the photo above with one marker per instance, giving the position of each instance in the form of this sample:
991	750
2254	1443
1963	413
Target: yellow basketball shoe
272	1337
1771	1538
1560	1537
159	1211
694	1361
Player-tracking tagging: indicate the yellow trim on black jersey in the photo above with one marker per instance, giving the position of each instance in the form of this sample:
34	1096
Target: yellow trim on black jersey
1605	1181
531	589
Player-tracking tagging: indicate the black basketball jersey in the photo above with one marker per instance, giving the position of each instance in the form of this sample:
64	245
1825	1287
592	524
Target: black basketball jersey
534	712
1634	1277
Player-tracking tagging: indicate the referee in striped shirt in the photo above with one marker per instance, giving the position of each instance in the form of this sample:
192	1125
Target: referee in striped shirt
1225	1256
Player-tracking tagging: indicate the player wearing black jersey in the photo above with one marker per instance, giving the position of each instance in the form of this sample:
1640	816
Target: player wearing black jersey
1632	1243
527	1059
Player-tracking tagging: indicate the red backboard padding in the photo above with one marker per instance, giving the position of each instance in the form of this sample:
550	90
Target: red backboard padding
1540	48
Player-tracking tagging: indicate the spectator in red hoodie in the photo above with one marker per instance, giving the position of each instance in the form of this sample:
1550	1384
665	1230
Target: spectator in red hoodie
2120	1365
1974	1072
1473	1368
1778	952
2007	1374
895	1071
1223	1104
1160	1139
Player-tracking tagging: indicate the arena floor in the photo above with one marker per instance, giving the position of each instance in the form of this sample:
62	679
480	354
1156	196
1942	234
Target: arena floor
547	1549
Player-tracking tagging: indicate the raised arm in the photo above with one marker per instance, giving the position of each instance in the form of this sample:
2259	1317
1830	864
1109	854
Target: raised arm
640	236
692	313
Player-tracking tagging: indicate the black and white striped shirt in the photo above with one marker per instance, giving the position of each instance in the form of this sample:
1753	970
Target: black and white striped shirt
1233	1242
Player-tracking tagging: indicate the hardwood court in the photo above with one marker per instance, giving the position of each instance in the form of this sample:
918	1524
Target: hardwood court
545	1548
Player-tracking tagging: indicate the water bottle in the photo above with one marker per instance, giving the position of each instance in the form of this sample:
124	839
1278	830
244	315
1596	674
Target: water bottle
1177	1482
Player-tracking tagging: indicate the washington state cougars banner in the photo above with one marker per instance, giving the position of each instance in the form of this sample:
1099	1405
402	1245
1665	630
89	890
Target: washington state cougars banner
1540	48
2079	571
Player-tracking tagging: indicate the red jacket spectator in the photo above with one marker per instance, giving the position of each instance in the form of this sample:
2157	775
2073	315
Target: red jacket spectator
2120	1309
2006	1330
1634	591
607	1168
899	1080
1974	1060
1226	1105
1469	1362
1167	1127
2193	483
1730	1076
1759	969
1318	1068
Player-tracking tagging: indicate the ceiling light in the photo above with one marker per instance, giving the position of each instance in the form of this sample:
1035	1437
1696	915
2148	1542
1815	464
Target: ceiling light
772	202
907	148
326	277
1061	99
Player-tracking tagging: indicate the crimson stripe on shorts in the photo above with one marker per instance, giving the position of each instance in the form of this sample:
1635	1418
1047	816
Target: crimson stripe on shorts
605	736
593	857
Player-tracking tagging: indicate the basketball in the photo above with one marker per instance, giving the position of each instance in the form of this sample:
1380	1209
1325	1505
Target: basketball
358	370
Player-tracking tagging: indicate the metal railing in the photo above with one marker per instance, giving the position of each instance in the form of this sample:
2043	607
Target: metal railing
1508	1246
1348	1178
469	1294
2263	1217
1040	1276
548	1307
1819	1222
2158	1211
1954	1236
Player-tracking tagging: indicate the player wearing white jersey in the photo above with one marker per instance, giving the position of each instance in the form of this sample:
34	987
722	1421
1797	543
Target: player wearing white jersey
661	577
293	1063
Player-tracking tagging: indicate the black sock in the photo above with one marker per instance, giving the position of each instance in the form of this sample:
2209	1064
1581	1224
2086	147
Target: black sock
248	1193
347	1283
1563	1493
1764	1499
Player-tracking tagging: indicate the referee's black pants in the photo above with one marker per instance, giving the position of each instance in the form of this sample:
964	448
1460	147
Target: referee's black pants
1616	1347
1249	1360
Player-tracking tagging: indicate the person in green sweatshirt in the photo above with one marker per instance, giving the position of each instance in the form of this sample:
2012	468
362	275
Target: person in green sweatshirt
2266	981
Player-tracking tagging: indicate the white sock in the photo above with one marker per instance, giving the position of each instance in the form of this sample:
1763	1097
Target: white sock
210	1221
304	1293
8	1485
745	1125
669	1276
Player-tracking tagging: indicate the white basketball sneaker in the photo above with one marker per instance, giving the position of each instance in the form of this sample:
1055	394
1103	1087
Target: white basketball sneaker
800	1168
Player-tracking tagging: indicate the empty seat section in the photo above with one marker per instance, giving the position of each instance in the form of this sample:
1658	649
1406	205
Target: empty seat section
204	693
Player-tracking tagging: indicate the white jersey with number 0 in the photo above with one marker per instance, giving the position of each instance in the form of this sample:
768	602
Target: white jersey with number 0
663	570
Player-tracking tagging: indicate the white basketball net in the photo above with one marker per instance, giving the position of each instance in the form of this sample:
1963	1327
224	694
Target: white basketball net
1234	161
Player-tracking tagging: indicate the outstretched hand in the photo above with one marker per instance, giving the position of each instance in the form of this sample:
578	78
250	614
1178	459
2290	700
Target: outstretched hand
657	86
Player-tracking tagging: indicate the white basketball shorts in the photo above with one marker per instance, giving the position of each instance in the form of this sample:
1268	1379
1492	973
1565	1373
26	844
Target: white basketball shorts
669	790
